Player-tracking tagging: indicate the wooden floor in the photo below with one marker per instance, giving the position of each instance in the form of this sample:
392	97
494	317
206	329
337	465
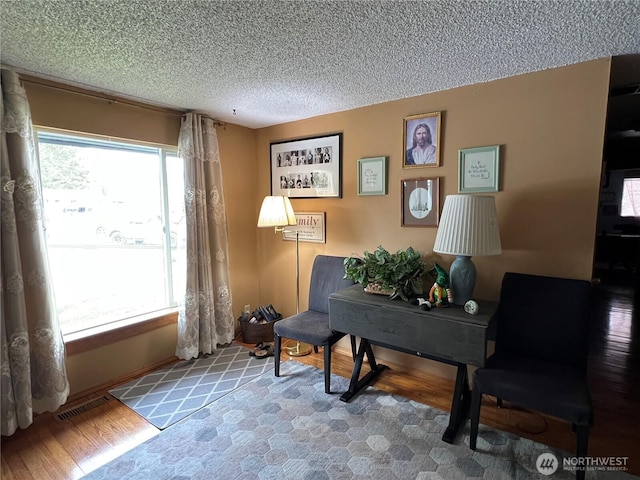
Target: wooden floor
68	449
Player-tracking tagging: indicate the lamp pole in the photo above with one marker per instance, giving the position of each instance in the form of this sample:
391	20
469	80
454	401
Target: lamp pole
299	349
297	273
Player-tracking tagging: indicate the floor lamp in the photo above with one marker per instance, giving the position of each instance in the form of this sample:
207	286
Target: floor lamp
277	212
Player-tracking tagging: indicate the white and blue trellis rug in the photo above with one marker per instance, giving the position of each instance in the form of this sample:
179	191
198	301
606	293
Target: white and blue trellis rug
166	396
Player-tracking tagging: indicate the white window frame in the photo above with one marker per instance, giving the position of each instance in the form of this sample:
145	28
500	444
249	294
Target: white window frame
117	329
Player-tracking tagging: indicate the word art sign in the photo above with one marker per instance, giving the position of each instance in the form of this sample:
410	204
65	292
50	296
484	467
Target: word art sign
479	169
311	228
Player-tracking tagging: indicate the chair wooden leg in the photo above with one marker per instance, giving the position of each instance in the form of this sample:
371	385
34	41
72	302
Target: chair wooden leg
327	368
277	341
582	445
476	400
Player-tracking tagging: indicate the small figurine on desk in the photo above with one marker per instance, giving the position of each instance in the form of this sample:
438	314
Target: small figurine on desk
440	294
422	303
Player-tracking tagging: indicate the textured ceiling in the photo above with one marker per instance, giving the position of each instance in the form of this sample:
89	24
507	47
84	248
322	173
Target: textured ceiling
279	61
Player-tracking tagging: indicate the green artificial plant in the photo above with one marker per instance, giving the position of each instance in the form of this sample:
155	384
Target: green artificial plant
400	272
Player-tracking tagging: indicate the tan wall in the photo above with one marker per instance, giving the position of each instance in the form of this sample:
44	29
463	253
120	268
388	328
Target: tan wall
550	126
57	108
238	156
118	360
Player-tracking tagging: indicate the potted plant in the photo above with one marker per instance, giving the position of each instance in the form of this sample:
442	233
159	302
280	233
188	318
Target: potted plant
398	275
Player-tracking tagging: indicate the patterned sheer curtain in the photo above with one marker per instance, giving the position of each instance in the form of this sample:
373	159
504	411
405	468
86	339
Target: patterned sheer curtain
206	316
34	378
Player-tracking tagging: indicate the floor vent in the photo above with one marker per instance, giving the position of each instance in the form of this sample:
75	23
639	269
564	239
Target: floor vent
88	405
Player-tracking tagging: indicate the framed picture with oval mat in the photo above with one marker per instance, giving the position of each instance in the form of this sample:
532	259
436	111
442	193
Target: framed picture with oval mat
420	202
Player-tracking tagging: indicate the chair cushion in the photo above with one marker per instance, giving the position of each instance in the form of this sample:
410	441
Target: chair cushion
308	327
551	388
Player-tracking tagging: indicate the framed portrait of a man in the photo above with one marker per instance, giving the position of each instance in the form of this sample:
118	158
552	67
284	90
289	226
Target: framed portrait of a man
422	140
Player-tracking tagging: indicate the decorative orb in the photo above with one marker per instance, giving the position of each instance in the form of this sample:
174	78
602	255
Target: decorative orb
471	307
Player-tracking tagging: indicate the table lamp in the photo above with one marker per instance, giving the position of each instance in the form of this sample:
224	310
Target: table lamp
468	227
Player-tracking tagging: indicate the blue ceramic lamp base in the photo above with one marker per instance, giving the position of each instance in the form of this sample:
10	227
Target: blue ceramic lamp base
462	278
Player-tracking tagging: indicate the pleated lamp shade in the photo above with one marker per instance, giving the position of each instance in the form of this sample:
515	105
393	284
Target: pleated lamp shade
468	226
276	211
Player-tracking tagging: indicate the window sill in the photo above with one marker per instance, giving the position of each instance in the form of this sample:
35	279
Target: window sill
91	338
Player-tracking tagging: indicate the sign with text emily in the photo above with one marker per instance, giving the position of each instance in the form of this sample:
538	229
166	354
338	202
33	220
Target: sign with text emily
311	228
479	169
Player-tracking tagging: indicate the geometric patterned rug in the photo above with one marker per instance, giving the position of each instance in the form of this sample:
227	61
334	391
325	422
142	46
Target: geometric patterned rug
287	428
168	395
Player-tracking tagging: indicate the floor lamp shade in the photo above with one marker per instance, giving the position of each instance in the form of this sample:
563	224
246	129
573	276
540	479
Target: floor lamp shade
468	227
276	211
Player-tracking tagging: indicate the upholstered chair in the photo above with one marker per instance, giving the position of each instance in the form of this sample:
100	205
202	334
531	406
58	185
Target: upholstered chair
540	359
312	325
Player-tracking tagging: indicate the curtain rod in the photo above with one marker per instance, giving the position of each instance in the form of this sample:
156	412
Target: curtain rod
216	122
112	99
100	96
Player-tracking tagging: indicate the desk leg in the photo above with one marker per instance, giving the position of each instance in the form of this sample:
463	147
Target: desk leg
356	385
459	405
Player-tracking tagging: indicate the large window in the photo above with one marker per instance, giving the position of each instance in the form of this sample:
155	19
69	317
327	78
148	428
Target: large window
114	217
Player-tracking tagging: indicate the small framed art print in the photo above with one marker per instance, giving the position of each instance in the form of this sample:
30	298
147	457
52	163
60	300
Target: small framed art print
372	176
420	202
479	169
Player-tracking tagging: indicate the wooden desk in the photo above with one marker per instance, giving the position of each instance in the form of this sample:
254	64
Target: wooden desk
448	335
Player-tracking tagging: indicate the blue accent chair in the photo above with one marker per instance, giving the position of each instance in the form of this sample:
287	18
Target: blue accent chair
312	325
540	359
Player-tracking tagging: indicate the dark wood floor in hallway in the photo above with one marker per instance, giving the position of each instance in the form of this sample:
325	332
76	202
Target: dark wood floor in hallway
614	369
